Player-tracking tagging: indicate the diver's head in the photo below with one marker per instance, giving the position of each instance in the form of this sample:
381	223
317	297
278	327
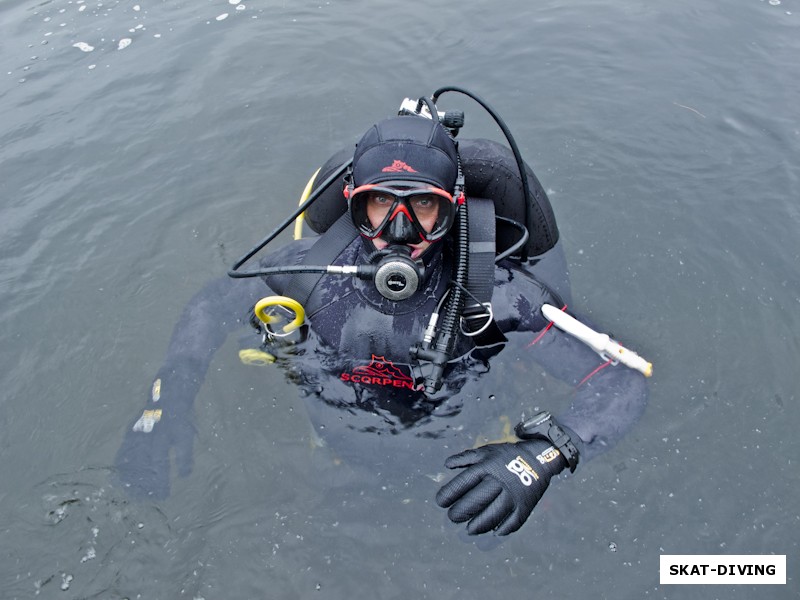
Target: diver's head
402	189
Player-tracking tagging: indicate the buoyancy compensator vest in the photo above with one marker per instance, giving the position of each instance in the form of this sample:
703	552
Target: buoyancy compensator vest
510	217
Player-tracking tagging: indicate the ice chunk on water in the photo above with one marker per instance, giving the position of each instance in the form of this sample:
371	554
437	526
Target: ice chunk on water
65	581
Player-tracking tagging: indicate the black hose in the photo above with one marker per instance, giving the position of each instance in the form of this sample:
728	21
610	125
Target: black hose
519	244
511	142
444	345
234	271
431	107
279	271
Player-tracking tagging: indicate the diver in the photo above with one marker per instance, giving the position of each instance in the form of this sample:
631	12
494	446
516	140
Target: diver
432	254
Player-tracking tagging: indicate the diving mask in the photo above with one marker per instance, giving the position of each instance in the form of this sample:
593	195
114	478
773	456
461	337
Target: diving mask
401	215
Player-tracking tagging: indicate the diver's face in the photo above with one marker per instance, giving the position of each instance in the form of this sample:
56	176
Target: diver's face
425	207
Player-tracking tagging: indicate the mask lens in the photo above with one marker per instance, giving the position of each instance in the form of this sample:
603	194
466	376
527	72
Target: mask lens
434	213
373	208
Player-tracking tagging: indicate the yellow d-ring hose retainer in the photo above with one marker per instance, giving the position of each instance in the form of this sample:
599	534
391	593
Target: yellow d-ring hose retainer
298	222
285	302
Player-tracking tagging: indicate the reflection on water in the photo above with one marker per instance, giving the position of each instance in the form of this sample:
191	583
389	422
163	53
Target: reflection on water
145	144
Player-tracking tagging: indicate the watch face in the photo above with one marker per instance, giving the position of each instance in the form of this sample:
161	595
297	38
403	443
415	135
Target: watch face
534	425
540	418
535	421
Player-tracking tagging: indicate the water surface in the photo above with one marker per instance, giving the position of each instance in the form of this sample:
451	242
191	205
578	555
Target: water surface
133	172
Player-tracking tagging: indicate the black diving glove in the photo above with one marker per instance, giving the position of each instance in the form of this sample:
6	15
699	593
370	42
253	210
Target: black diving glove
501	484
143	462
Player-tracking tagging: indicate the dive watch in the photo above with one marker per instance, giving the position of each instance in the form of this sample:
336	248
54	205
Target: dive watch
543	427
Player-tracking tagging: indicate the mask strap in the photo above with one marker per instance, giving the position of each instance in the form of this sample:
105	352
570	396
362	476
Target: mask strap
348	183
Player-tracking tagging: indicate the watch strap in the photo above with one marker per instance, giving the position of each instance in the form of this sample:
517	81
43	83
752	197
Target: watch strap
546	428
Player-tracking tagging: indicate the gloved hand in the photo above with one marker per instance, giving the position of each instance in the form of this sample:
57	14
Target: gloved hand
143	462
500	486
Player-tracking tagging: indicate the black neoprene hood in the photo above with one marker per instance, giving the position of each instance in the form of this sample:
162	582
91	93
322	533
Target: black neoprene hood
407	148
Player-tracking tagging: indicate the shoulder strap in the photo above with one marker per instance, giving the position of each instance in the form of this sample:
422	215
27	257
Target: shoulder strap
482	232
480	278
324	251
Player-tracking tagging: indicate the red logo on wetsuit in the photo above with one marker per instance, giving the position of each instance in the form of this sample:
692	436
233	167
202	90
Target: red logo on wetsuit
398	166
379	372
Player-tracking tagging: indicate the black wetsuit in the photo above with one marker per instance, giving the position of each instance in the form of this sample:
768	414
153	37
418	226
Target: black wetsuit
368	338
353	368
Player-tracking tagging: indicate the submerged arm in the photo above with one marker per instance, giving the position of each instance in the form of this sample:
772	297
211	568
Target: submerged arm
499	485
609	399
218	309
143	461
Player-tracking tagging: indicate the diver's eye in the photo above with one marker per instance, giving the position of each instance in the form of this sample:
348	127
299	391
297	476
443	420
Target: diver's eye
379	199
424	205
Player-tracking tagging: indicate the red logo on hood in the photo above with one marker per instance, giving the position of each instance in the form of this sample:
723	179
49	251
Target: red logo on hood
398	166
380	372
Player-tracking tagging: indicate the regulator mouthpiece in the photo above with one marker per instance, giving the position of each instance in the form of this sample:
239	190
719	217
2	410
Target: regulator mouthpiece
396	276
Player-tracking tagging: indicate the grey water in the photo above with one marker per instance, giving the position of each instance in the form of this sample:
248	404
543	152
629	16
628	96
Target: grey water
146	145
